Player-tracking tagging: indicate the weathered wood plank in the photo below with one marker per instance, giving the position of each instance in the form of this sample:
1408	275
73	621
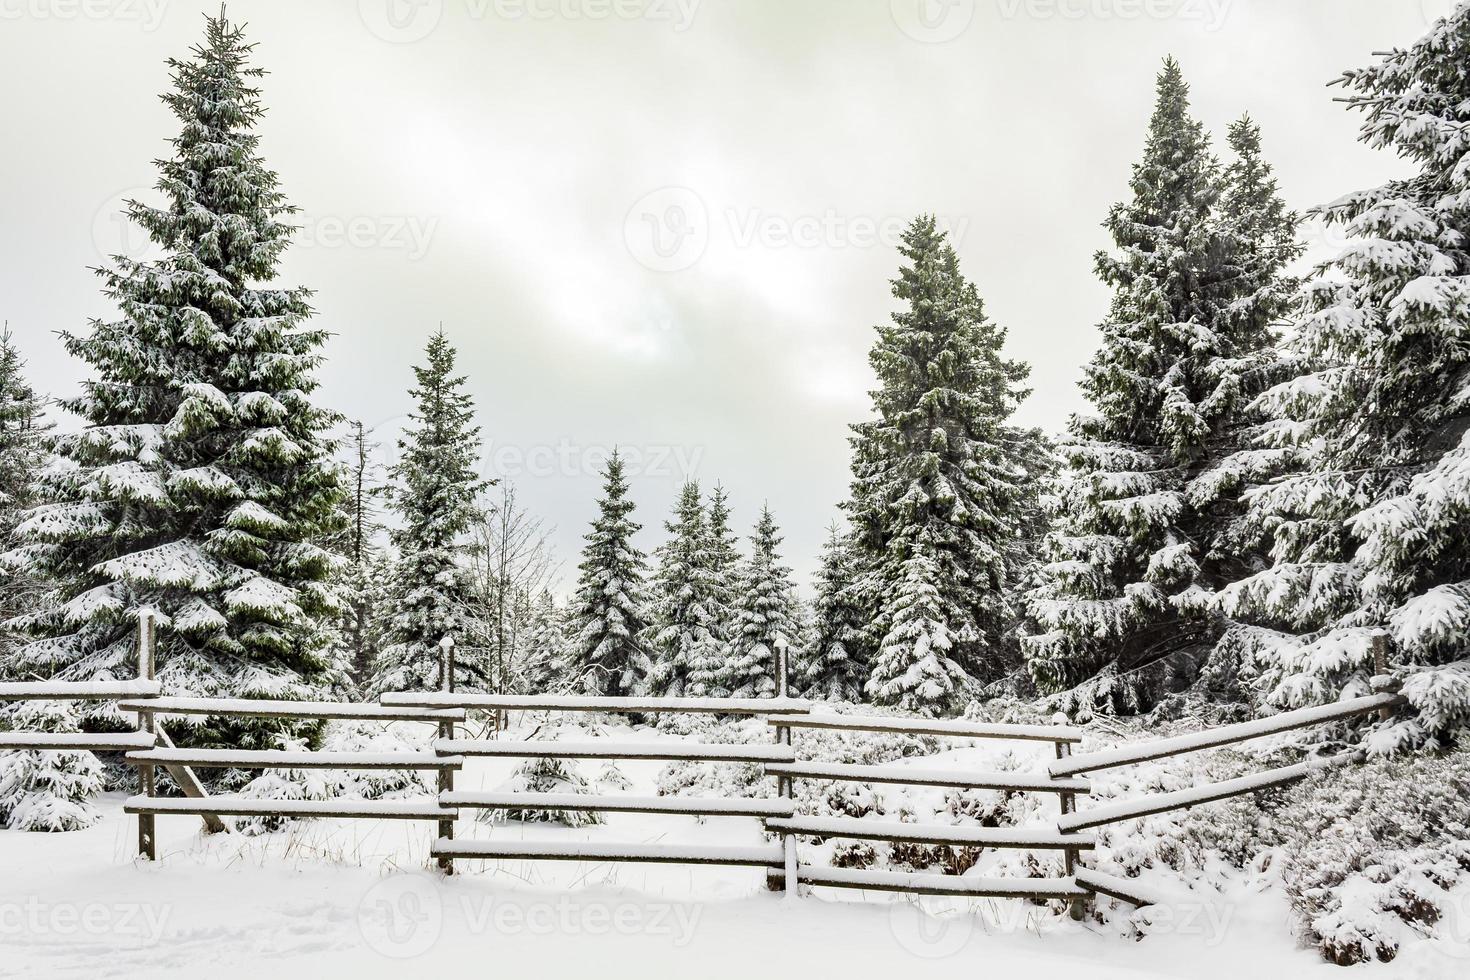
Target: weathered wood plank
1145	806
75	741
1225	735
272	759
914	776
250	708
677	805
240	807
78	690
609	749
932	884
1016	837
553	702
925	726
768	856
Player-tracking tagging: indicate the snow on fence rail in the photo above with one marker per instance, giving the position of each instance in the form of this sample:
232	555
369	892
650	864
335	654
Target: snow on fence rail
926	726
627	706
78	690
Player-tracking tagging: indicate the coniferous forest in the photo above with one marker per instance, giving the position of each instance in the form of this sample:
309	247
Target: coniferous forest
1264	504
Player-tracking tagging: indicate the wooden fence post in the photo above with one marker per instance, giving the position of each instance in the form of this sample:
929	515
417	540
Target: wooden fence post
1379	645
1076	906
147	835
446	730
783	783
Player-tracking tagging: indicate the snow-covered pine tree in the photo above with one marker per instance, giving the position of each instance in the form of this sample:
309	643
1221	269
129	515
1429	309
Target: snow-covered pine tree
434	490
933	489
1370	531
368	570
682	630
609	615
765	618
831	670
21	458
915	668
1142	543
201	483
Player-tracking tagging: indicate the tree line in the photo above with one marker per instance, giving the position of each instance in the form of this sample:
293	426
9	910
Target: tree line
1272	469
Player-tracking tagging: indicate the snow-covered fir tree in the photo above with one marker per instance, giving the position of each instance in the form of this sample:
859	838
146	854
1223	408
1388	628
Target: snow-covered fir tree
765	618
831	670
434	491
608	655
1144	508
723	551
1369	530
934	491
22	456
544	663
683	639
200	483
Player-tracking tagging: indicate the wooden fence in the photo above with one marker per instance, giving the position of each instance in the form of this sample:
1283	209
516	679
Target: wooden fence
1066	778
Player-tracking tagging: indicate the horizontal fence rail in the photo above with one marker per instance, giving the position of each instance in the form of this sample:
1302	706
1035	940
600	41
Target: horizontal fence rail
78	690
1226	735
926	726
612	705
304	710
843	772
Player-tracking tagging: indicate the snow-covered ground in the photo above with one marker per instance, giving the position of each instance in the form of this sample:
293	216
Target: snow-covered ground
358	899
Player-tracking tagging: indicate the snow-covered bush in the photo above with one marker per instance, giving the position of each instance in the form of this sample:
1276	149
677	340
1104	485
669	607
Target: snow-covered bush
545	776
328	784
1371	853
48	791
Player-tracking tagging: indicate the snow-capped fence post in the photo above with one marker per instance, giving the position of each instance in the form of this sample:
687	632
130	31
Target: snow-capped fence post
446	731
147	840
1076	906
1382	682
783	783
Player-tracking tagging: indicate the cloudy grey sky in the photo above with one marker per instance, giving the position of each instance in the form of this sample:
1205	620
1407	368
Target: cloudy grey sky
663	224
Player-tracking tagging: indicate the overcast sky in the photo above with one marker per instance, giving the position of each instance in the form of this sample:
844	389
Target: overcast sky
666	225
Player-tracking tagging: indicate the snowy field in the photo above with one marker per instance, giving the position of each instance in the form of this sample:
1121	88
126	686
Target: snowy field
358	899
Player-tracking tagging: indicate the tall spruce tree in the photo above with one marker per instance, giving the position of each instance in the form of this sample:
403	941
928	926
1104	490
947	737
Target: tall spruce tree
934	492
22	455
832	670
609	612
1145	508
683	631
765	618
201	483
1369	529
435	488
